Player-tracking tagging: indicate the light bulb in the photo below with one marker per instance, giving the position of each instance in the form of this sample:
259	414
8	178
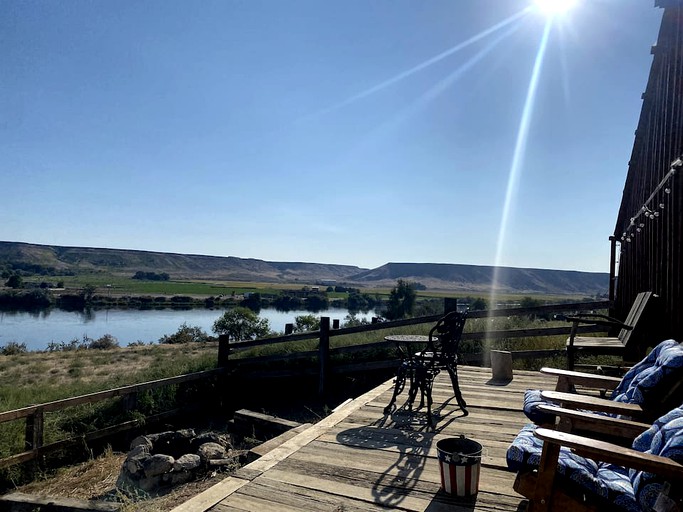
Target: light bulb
667	190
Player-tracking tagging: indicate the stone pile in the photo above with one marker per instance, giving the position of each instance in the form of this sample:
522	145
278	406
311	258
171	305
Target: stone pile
156	462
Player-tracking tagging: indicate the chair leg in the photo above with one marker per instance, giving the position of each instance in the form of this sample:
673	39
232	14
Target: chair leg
427	385
453	372
414	386
398	387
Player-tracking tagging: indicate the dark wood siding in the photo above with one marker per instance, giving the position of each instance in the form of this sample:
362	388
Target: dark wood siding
653	258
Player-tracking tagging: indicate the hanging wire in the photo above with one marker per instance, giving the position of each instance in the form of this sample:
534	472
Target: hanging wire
636	224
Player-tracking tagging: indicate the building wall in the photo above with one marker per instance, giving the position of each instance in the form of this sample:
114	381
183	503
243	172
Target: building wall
651	212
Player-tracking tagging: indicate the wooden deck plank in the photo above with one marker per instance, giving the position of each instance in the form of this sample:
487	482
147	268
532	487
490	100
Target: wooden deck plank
360	459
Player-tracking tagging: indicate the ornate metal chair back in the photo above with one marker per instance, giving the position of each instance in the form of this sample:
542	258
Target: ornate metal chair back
444	337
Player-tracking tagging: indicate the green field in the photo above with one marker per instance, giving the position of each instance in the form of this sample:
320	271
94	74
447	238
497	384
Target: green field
110	284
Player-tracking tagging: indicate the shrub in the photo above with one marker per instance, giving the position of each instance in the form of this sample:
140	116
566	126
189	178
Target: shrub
105	342
186	334
306	323
13	348
242	324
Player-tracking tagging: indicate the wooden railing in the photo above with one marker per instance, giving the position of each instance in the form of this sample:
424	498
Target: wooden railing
324	351
34	415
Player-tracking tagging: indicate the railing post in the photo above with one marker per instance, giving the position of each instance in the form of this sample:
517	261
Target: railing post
450	304
130	402
34	430
289	328
612	269
223	350
335	323
324	352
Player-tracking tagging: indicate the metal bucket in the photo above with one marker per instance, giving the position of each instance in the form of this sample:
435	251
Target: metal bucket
460	465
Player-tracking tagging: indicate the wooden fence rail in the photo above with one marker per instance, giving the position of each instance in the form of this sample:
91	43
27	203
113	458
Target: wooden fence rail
34	415
325	333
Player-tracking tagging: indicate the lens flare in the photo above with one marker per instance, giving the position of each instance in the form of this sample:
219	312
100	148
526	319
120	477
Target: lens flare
517	164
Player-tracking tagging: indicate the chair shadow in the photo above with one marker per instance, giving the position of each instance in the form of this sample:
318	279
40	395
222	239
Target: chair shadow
408	431
413	441
418	415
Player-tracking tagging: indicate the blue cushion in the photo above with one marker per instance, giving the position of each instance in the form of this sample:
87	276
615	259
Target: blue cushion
642	384
664	438
532	399
605	481
646	380
628	490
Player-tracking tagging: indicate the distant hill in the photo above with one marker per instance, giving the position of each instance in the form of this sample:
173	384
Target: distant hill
436	276
477	278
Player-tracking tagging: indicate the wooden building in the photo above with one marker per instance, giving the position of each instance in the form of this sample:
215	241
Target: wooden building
647	246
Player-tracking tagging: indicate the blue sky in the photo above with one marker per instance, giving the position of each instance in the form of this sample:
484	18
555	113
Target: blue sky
321	131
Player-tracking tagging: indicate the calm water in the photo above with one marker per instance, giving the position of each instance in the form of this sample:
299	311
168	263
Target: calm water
127	325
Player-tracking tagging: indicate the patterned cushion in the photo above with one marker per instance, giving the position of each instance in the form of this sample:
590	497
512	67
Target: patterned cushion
532	399
642	384
607	483
664	438
628	490
646	380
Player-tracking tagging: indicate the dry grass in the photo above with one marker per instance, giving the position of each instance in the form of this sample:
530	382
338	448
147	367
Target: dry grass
93	366
96	479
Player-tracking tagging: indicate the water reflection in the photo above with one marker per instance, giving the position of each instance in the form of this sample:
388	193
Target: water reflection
38	328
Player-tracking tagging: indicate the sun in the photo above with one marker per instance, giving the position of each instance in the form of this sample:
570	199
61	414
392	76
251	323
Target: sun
555	7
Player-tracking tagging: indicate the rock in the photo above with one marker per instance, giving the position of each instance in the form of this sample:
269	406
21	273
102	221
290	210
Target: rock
157	465
150	484
173	443
179	477
134	465
209	451
138	450
187	462
141	441
135	460
209	437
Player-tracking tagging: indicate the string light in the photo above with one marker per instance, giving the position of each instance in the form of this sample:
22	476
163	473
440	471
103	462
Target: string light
636	225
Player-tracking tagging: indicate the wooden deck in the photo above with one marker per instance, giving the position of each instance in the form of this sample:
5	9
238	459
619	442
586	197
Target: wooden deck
359	459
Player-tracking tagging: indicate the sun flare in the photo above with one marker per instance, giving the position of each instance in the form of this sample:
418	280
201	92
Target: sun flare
555	7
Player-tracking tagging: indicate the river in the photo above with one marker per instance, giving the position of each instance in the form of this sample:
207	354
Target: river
37	329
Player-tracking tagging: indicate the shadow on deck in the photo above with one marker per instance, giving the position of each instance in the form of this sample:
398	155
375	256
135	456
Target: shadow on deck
360	459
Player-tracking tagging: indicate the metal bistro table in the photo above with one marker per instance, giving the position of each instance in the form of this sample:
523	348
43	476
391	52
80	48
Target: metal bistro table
411	368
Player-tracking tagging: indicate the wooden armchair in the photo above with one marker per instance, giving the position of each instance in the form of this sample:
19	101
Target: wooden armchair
548	493
629	341
650	388
563	471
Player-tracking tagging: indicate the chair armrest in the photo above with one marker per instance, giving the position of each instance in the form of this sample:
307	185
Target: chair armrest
597	423
567	378
614	454
594	318
574	401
